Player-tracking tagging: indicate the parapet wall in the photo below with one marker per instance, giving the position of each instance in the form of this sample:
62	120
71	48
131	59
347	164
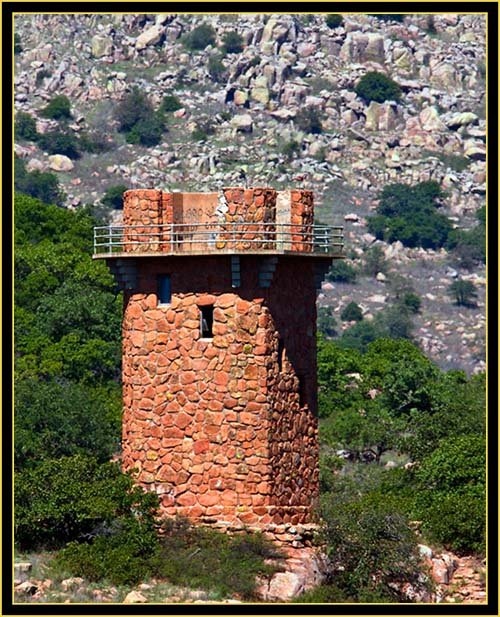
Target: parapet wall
234	219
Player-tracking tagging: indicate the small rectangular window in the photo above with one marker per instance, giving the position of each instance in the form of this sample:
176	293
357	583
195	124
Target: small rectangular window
164	289
206	320
302	390
281	353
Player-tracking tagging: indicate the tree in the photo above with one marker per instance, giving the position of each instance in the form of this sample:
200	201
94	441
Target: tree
58	108
375	261
25	127
170	103
463	292
232	42
42	185
308	119
147	131
113	197
374	86
201	37
341	272
326	321
352	312
216	69
334	20
133	107
59	142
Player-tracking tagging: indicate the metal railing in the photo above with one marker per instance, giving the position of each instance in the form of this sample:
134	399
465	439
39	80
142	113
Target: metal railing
224	237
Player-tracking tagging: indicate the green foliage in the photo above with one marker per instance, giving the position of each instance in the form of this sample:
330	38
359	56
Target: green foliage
463	292
59	142
41	185
170	103
389	16
95	142
58	418
58	108
216	69
374	86
360	335
199	38
291	149
373	552
469	247
452	500
232	42
326	321
408	214
71	498
133	107
352	312
308	119
147	131
334	20
341	272
113	197
374	261
25	127
412	302
225	564
18	48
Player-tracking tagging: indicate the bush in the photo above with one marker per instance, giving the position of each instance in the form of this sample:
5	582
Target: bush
352	312
58	108
17	44
341	272
56	142
147	131
451	499
463	292
71	498
170	103
374	261
95	142
412	302
334	20
360	335
113	197
133	107
377	87
25	127
326	321
232	42
291	149
199	38
56	418
372	550
216	69
42	185
308	119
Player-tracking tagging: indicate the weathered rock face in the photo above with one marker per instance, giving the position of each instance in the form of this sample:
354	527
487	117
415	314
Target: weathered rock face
222	424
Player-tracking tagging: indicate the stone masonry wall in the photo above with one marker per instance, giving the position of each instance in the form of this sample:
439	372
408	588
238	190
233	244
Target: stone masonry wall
217	426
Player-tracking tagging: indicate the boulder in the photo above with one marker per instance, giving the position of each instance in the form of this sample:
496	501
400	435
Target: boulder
151	36
462	119
430	120
134	597
60	162
361	47
101	46
475	151
242	123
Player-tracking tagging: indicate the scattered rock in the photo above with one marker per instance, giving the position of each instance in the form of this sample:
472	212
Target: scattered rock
135	597
60	162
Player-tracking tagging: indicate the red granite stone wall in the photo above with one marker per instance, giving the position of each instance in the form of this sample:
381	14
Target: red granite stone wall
302	219
150	211
221	427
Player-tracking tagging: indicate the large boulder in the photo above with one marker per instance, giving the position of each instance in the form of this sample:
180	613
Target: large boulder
361	47
60	162
430	120
242	123
151	36
101	46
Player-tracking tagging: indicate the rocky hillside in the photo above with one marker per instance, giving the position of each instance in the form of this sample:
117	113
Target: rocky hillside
246	113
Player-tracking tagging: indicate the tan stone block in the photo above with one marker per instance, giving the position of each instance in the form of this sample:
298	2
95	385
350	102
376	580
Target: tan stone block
225	300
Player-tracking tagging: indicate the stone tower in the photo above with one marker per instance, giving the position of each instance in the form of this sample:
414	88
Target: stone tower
219	350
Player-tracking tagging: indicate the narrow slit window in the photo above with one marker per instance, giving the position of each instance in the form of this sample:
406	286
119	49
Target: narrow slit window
302	390
206	321
164	289
281	353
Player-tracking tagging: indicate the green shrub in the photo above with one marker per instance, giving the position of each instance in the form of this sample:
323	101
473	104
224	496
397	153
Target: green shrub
451	498
360	335
334	20
170	103
57	142
291	149
412	302
308	119
113	197
374	261
341	272
147	132
71	498
463	292
17	44
199	38
55	418
216	68
133	107
232	42
40	76
58	108
25	127
326	321
377	87
373	552
95	142
352	312
389	17
42	185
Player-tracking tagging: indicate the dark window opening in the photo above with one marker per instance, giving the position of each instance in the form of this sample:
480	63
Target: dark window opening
206	321
281	354
302	390
164	289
